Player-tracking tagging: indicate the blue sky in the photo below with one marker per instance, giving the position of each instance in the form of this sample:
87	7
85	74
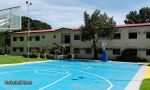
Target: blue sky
69	13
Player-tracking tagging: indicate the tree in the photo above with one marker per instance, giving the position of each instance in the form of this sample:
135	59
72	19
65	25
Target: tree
2	39
58	49
134	17
34	24
97	26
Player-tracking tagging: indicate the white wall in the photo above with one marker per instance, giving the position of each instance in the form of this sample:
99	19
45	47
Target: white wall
123	43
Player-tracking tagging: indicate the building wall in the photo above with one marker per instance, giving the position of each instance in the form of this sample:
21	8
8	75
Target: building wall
141	43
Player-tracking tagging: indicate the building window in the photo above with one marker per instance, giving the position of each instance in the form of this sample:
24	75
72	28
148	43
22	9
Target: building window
43	37
67	38
116	51
88	51
76	50
21	38
14	49
148	52
54	36
148	35
100	50
21	49
67	49
37	38
14	39
117	36
133	35
77	37
133	51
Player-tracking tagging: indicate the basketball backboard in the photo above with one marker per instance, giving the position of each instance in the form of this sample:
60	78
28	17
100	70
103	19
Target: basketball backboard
10	19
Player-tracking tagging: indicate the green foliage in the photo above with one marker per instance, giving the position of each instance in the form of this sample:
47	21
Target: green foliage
58	49
134	17
31	55
2	39
2	51
95	26
145	84
34	24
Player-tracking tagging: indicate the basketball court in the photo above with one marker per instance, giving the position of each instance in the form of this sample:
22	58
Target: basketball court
69	75
64	74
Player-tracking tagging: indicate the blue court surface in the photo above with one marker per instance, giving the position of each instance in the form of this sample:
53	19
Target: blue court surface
69	75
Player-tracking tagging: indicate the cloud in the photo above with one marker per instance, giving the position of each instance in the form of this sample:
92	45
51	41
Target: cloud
69	13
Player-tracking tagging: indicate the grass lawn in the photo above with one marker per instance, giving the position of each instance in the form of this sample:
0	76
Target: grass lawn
145	84
9	59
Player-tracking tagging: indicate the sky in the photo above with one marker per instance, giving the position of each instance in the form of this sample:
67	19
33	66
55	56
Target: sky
69	13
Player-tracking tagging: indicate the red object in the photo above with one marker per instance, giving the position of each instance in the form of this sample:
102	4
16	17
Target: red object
133	25
77	29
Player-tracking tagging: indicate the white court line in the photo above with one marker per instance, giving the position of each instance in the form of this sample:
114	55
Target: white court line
55	81
111	85
90	67
52	72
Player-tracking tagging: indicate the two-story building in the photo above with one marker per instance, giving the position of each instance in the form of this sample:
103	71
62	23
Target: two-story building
135	37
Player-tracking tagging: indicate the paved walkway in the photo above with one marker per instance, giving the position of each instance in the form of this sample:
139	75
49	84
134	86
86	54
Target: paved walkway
136	81
147	72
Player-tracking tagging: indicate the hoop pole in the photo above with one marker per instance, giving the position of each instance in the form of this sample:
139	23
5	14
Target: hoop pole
29	4
104	54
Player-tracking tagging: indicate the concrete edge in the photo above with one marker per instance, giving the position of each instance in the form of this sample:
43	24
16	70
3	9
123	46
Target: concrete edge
137	79
3	65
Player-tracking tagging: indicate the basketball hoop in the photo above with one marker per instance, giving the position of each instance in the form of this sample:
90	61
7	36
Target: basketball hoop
102	42
10	19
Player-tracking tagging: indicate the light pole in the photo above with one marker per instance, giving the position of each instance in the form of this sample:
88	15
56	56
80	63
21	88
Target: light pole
28	38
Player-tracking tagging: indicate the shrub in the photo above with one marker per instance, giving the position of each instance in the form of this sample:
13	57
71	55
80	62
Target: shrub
34	55
25	55
31	55
69	56
2	51
42	55
49	56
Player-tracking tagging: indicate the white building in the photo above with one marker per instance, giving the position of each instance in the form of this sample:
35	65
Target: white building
135	37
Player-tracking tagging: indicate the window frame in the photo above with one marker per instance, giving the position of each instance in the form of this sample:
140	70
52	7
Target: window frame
116	51
131	36
77	51
21	49
21	38
77	36
88	50
117	37
67	39
14	38
147	37
14	49
131	50
37	38
147	52
100	50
